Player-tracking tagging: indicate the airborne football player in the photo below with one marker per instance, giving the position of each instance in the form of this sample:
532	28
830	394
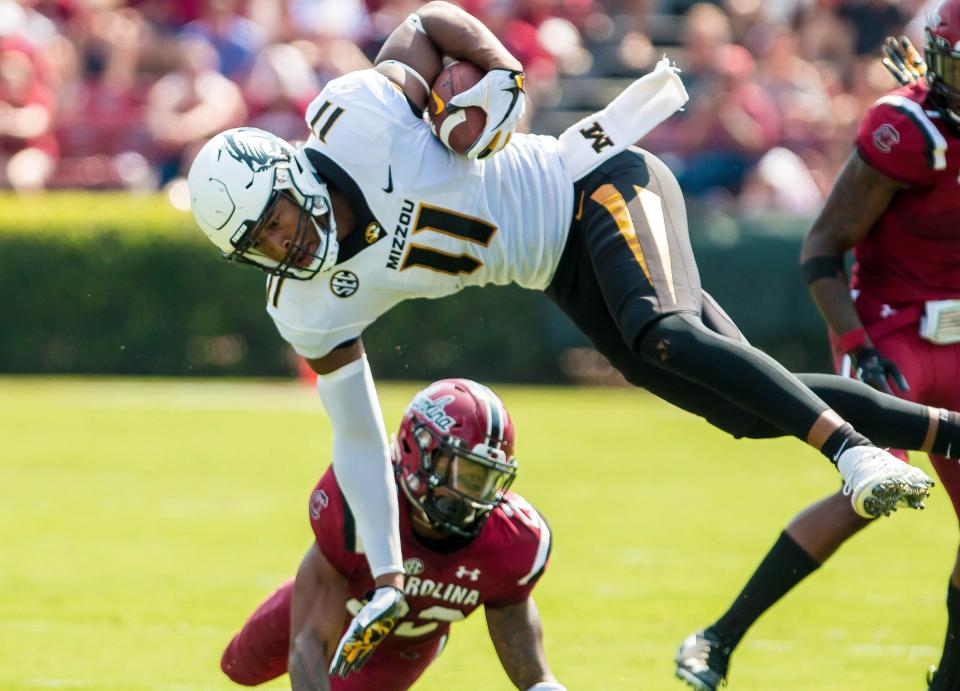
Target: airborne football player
373	210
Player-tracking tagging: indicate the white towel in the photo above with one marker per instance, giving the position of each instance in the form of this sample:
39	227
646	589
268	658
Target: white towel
630	116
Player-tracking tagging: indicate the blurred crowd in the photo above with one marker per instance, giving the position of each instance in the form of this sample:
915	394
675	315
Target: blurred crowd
777	90
108	94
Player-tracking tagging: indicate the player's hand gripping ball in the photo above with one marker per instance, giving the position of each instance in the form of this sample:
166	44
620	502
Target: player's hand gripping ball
369	627
458	129
473	113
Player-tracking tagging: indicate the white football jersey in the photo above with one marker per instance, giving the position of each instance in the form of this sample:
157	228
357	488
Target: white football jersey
428	222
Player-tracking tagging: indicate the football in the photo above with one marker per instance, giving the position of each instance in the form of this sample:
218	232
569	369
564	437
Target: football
458	131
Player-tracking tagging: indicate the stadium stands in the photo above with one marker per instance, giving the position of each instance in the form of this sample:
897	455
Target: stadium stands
118	94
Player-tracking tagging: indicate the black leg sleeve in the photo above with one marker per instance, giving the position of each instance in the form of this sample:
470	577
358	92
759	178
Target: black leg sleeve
887	420
745	376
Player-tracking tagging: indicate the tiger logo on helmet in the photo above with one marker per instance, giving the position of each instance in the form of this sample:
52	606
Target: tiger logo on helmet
453	454
236	181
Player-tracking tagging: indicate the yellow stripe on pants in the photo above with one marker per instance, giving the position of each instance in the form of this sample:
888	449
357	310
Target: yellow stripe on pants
610	198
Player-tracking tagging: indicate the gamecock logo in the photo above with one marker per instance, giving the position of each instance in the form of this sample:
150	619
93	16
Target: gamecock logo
318	502
886	137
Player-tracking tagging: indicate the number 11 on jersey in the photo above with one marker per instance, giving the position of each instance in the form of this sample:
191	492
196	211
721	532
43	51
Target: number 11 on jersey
453	224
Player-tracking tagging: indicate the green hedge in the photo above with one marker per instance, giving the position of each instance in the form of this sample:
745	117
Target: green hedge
119	284
125	285
751	267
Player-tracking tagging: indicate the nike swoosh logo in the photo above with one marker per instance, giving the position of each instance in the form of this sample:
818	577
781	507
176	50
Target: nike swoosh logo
839	453
389	188
515	94
579	213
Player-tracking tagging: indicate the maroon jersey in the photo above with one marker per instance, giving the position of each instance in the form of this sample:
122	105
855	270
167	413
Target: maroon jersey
912	253
445	580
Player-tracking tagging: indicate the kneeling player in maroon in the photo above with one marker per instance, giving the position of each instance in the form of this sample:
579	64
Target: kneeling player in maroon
467	541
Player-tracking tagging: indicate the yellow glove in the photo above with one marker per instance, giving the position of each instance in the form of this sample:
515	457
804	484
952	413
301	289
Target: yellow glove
368	628
902	60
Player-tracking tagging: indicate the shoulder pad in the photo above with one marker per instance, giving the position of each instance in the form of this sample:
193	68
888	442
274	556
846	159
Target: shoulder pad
532	529
359	114
900	139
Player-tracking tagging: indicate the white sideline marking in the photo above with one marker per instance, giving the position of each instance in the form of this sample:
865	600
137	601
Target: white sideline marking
911	651
50	683
771	646
46	625
188	395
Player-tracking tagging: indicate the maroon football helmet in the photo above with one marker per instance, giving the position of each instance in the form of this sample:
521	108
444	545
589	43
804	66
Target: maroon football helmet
943	59
454	454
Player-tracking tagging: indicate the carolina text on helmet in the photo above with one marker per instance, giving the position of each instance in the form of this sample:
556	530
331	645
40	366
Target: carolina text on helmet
435	410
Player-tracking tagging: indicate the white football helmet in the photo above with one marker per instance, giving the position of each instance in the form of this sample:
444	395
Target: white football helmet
235	182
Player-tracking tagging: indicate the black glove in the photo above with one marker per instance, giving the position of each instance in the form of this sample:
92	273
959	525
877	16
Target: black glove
873	369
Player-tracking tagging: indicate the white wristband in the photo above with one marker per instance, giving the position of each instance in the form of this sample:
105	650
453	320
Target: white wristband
548	686
412	72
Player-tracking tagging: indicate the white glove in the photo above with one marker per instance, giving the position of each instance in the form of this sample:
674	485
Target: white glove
372	624
500	95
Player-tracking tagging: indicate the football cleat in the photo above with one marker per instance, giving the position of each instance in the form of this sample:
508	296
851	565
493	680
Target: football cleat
879	483
702	661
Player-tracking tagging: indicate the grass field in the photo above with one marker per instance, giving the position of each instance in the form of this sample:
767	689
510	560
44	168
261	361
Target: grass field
141	521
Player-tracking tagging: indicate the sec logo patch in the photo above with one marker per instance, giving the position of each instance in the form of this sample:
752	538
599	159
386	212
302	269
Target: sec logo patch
344	284
886	137
413	566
